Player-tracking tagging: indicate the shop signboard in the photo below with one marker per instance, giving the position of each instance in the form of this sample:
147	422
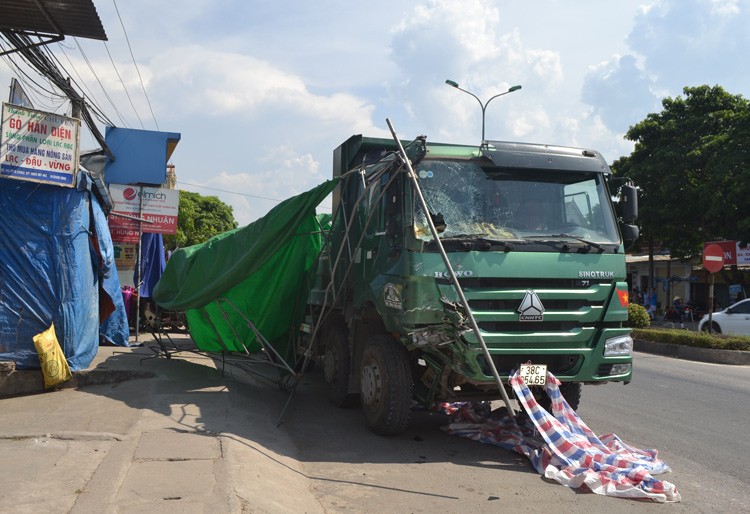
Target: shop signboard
743	255
38	146
155	205
733	252
125	254
123	230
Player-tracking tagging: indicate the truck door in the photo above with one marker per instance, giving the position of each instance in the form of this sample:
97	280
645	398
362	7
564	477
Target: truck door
383	238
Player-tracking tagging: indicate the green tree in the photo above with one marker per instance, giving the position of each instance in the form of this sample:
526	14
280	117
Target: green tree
691	162
200	218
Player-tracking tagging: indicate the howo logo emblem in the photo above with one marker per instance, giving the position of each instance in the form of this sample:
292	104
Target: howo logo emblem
531	308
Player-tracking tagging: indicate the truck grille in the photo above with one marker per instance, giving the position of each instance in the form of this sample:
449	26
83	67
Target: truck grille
573	311
511	305
514	326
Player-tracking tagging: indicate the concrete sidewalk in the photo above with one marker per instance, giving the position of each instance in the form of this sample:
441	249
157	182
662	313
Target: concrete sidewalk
154	435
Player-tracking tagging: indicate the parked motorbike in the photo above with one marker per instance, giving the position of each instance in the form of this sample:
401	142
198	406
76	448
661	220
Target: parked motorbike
680	313
154	318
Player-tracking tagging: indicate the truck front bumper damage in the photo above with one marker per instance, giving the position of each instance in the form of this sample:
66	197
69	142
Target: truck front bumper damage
451	365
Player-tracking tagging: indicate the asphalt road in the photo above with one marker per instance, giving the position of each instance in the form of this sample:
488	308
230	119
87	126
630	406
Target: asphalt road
695	414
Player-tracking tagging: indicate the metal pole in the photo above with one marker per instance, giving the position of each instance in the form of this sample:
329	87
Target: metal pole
711	304
140	265
412	176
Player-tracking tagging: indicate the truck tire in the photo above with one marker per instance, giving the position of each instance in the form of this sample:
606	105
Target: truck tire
386	385
571	391
337	365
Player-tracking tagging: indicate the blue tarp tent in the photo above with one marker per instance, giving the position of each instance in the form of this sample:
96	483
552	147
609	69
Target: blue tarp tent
57	266
154	262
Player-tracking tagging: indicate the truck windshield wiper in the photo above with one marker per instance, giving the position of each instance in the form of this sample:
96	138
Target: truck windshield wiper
544	240
508	246
590	244
479	242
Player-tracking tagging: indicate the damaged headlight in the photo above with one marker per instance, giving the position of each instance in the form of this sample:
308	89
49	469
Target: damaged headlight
619	346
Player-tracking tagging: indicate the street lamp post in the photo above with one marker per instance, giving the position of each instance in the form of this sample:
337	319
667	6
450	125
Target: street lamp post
482	105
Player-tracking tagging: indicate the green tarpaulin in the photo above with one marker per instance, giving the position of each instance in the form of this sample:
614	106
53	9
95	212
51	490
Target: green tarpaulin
265	269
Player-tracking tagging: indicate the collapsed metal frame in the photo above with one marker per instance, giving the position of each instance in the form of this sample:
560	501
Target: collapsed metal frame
249	361
244	360
272	357
310	349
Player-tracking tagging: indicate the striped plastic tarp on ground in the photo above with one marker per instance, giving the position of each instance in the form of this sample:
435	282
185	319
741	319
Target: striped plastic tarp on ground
561	446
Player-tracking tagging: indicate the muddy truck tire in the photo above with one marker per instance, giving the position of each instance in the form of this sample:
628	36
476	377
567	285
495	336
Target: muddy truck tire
571	391
386	385
337	365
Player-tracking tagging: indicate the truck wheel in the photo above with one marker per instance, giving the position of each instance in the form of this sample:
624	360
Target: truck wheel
571	391
337	365
386	385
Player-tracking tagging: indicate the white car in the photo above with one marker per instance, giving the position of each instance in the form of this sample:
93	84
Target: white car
735	319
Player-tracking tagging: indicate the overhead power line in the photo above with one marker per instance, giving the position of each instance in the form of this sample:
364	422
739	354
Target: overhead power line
135	64
109	99
80	82
123	84
36	58
30	84
231	192
236	193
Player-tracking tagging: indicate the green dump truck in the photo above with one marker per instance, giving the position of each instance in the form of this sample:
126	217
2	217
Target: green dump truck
536	237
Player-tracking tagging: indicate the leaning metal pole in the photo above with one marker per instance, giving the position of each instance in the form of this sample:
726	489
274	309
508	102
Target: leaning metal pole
139	263
413	177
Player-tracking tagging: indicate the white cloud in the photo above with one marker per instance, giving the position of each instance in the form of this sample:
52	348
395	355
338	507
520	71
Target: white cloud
464	38
470	24
229	84
674	44
524	123
725	7
261	131
693	42
280	174
619	92
462	41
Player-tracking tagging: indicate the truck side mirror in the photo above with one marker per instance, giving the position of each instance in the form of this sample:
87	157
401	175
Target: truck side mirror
629	234
629	204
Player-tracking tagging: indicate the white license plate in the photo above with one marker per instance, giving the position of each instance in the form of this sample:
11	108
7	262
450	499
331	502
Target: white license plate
533	374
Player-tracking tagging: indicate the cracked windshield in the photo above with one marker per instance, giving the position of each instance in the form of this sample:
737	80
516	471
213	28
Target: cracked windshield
502	204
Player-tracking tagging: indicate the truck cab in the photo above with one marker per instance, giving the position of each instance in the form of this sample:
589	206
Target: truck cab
538	247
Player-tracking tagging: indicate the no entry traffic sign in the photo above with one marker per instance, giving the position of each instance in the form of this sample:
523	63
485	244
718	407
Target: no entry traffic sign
713	258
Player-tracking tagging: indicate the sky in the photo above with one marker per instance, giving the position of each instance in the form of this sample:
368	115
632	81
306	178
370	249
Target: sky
263	91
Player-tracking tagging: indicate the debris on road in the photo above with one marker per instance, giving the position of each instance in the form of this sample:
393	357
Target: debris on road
561	446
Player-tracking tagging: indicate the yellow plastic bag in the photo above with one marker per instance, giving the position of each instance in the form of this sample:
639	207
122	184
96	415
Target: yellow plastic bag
54	366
